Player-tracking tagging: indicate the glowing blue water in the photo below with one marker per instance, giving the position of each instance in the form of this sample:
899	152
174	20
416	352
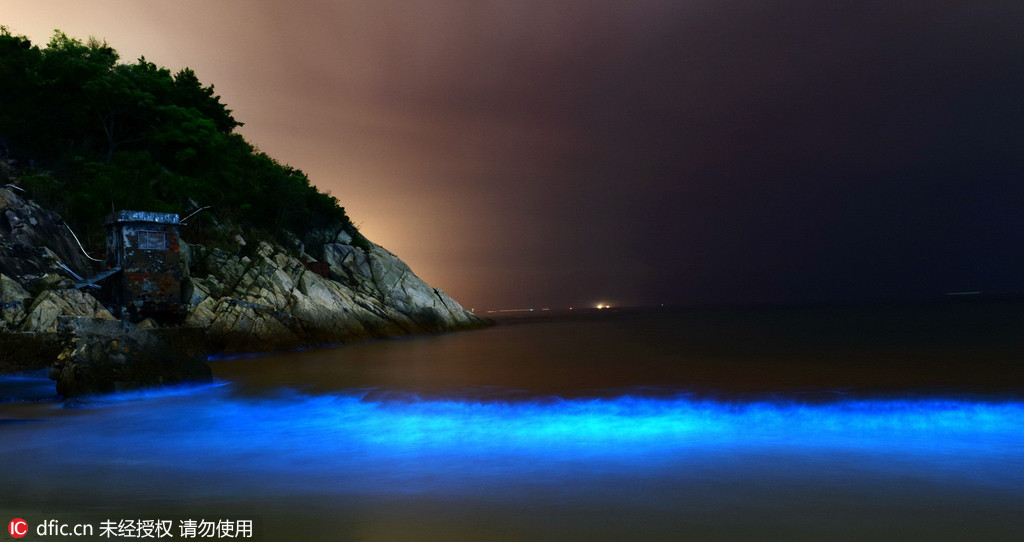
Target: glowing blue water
350	444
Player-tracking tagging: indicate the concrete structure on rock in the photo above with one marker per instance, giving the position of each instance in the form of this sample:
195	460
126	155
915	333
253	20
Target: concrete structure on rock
146	266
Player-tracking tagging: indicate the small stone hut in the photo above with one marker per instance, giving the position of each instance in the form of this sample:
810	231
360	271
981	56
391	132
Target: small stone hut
144	246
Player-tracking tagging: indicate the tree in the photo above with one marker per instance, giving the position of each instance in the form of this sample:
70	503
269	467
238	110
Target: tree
134	136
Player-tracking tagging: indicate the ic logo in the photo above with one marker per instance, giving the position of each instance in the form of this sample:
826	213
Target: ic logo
18	528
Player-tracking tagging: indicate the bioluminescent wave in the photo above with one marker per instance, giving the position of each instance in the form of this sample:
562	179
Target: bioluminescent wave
352	443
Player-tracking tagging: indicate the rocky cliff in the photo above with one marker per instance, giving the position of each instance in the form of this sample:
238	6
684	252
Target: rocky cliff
274	300
259	298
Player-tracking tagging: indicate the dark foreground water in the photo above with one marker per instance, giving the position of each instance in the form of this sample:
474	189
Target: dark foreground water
869	423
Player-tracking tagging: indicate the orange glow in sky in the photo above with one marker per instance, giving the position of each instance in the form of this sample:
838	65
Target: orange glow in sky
532	153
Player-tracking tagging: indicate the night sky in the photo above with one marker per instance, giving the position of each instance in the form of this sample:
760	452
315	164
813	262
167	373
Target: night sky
569	153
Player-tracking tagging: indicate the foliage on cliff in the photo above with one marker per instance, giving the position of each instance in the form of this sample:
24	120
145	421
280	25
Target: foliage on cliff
90	133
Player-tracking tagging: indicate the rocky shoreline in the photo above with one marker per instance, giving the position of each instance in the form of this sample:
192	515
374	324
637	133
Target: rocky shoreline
260	298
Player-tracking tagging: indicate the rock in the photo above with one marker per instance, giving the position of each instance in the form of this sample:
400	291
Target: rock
275	301
403	290
49	281
12	303
104	355
10	290
347	264
34	241
52	304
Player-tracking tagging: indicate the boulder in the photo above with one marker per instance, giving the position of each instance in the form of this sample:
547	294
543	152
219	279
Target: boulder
50	305
12	303
105	355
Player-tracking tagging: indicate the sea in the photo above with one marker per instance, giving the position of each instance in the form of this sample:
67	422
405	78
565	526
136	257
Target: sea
899	421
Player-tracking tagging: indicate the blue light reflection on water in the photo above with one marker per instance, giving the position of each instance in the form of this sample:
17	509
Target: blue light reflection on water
354	443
